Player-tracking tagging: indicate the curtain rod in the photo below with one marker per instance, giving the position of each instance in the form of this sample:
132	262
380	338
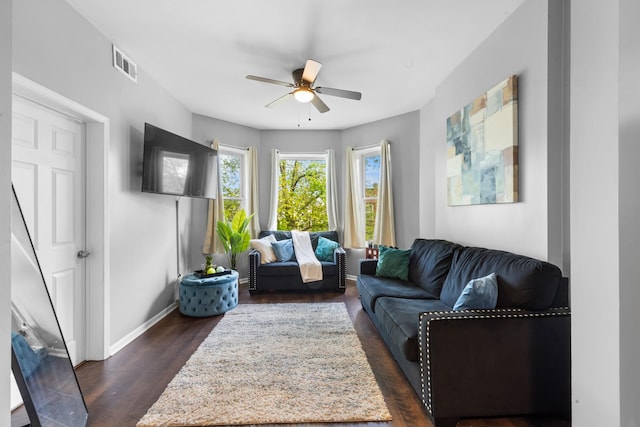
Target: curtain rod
230	146
295	153
364	147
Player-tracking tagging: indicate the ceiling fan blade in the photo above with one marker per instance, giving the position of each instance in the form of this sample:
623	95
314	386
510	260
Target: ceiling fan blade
280	100
265	80
311	70
320	106
339	92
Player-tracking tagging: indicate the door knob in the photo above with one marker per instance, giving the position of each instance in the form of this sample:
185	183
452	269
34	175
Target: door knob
83	254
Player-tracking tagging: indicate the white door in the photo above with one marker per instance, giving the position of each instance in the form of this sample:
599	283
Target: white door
48	175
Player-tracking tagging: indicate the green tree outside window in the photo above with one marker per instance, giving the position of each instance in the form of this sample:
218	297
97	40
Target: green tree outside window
371	169
302	195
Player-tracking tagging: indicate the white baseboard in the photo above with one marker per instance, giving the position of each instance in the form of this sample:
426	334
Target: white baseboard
147	325
351	277
140	330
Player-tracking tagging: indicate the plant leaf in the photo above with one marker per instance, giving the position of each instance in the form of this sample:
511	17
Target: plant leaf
245	242
238	219
224	233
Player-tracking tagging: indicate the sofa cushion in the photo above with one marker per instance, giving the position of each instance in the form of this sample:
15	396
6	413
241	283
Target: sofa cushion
326	247
393	263
479	293
399	318
523	282
283	250
371	288
314	235
291	268
429	263
263	245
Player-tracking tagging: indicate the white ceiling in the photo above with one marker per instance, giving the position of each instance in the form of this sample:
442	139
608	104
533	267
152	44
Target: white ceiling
394	52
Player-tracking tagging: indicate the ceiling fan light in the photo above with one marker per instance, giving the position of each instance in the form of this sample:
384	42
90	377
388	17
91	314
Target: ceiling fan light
303	94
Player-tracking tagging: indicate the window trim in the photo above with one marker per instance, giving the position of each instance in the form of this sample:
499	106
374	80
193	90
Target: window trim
361	154
303	156
321	157
244	173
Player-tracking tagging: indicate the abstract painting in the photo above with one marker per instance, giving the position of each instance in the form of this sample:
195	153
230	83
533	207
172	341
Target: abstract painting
482	148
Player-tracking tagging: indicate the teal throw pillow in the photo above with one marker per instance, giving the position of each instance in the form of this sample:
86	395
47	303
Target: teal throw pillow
283	250
393	263
325	248
479	293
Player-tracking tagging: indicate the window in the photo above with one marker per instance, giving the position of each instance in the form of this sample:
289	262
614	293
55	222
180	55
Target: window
302	194
232	175
369	160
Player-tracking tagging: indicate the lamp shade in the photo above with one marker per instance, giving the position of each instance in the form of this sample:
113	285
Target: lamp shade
303	94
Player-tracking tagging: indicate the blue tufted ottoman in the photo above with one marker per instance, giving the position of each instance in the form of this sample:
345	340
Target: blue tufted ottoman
208	296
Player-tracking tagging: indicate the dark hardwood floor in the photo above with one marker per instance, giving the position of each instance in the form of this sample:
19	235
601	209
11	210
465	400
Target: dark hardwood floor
119	390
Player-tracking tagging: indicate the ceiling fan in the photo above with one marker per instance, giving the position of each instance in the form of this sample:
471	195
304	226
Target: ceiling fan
303	79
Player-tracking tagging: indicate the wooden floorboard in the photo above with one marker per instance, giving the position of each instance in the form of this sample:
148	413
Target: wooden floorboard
119	390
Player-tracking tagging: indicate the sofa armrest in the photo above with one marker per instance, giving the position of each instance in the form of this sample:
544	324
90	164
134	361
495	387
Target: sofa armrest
494	362
368	266
340	259
254	262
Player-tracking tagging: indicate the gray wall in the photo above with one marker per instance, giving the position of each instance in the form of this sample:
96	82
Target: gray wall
605	206
522	46
629	205
430	144
595	215
57	48
5	203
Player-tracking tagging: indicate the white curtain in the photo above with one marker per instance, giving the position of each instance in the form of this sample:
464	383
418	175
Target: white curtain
354	229
384	229
253	199
332	191
212	243
275	188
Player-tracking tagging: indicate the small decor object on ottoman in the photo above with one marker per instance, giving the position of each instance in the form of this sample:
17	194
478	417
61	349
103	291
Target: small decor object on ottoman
208	296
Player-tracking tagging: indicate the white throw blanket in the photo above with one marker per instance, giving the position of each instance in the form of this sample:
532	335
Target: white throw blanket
310	267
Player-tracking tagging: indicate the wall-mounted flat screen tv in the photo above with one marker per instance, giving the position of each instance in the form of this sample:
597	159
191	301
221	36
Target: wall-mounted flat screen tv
177	166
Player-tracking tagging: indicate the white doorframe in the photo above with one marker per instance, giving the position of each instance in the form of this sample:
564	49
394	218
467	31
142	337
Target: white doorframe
97	200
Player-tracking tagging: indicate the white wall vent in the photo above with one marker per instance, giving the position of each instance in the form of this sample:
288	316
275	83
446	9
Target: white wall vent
124	64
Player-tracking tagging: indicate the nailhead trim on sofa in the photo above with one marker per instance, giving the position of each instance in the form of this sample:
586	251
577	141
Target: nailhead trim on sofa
342	269
490	314
253	275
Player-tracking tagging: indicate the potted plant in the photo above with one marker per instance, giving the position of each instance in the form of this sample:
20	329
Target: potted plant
234	235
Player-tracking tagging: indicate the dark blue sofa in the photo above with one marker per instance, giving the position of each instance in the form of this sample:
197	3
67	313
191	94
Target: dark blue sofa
285	276
511	360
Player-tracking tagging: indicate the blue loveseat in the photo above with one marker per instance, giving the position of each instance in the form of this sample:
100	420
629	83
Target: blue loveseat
510	360
285	276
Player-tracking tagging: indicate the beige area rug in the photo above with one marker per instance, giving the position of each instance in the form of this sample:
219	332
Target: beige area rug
273	364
